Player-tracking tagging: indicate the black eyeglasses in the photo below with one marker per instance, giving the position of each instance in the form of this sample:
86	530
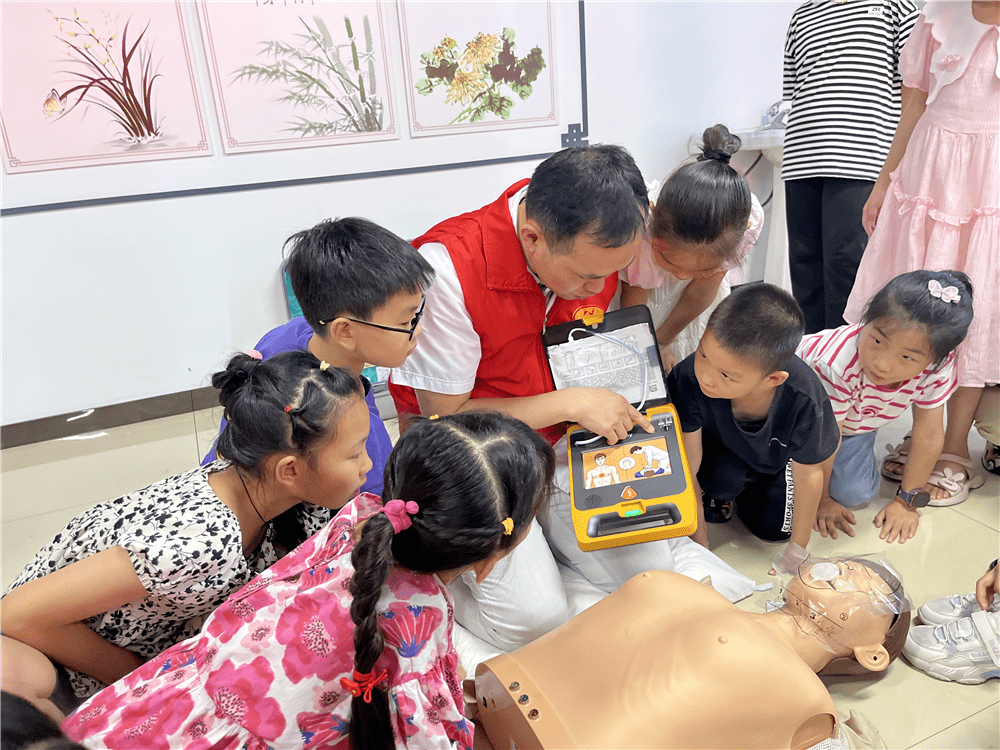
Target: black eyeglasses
408	331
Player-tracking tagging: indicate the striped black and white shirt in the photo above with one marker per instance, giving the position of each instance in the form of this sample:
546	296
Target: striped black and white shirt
841	75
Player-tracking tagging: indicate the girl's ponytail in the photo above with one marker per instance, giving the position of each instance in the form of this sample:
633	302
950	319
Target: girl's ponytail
940	301
706	202
370	727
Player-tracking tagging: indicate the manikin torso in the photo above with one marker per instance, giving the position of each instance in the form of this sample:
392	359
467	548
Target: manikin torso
665	662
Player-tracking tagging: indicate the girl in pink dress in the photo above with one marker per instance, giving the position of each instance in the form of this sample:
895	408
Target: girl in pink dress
346	641
936	203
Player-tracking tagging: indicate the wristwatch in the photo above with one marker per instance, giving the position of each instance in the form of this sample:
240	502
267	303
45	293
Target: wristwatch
917	498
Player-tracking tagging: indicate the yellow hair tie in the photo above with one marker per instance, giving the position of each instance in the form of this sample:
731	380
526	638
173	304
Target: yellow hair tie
433	416
324	366
508	526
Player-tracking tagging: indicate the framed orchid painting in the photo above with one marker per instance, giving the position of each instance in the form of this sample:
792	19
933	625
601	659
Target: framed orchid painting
97	83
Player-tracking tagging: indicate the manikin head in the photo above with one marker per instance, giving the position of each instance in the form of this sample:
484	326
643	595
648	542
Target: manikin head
852	606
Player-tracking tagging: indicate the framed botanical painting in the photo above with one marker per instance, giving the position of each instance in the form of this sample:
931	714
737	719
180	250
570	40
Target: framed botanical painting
97	83
298	74
477	66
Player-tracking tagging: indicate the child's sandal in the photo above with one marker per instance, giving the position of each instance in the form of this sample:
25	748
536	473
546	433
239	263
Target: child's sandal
958	483
898	455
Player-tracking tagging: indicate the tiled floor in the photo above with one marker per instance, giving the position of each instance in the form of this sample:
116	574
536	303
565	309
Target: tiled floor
46	484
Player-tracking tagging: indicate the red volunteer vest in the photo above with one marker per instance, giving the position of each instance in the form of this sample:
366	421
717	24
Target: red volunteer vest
506	306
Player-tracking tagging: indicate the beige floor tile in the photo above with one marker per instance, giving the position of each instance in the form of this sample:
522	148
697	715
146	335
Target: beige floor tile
206	424
983	504
45	477
25	536
392	427
979	731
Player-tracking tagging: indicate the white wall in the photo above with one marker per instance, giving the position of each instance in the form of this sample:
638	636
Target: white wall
109	304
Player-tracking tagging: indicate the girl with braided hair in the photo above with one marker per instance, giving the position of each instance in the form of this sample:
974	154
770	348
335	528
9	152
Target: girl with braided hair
346	642
124	580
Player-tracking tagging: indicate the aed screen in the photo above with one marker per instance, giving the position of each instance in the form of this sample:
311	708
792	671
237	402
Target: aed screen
616	464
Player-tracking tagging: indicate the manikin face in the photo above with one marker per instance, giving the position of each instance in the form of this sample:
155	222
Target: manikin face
890	355
841	602
582	272
599	460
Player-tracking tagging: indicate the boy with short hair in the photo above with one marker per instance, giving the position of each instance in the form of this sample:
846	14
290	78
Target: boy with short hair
758	425
361	289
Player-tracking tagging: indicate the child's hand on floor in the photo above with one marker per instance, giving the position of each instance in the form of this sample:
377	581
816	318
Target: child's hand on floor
986	587
896	519
830	515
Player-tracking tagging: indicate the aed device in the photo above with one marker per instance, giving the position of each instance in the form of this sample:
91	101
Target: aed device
640	488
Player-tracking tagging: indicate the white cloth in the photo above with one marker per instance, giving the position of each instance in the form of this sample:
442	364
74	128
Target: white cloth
608	569
521	599
448	351
858	404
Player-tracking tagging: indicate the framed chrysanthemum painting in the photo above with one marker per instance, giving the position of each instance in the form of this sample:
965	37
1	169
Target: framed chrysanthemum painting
478	66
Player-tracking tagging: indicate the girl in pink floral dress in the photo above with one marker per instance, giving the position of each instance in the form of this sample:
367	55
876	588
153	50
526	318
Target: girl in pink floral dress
936	203
348	638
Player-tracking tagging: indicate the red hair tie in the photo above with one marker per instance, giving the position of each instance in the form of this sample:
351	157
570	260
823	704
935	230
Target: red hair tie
362	684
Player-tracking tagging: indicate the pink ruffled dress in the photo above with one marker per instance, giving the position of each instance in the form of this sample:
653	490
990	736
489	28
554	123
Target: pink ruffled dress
265	672
942	210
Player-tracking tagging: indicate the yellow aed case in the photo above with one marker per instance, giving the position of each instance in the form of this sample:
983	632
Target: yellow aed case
639	489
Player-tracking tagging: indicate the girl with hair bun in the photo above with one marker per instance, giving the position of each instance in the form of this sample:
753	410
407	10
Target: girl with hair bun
703	223
346	642
122	581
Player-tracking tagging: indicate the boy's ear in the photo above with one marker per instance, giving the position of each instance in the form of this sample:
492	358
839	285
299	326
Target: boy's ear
874	658
777	377
339	331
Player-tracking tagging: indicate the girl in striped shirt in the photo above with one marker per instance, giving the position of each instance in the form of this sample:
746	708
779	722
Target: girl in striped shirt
900	355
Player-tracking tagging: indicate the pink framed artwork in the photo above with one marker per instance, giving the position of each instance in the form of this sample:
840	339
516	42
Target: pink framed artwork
472	67
298	73
97	83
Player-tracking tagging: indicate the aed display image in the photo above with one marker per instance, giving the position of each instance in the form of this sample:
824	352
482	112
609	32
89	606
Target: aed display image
626	463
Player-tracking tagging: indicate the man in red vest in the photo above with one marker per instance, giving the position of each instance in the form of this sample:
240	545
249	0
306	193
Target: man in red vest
546	251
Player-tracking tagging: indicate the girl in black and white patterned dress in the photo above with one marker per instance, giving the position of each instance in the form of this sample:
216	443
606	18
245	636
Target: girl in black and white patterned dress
130	577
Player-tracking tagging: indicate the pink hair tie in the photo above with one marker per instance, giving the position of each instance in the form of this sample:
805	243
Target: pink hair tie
399	514
255	354
945	294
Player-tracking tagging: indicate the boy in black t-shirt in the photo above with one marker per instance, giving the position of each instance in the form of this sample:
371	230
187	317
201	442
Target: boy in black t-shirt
758	426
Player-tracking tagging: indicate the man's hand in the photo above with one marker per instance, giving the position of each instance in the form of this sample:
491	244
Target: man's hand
830	515
605	413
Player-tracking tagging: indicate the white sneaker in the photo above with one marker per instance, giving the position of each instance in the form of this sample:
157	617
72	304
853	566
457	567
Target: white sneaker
948	608
965	650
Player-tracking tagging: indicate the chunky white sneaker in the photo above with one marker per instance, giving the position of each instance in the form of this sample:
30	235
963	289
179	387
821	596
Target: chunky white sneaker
965	650
948	608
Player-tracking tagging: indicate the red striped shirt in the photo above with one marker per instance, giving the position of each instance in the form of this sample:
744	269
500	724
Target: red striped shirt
860	405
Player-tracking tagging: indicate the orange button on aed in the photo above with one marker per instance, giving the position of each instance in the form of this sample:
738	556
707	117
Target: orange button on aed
629	494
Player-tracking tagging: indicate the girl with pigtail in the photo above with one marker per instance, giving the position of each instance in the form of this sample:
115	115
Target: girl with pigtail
346	642
124	580
704	221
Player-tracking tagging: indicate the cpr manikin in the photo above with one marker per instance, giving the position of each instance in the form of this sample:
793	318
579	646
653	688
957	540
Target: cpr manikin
666	662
